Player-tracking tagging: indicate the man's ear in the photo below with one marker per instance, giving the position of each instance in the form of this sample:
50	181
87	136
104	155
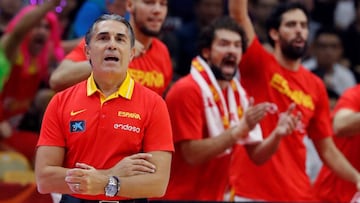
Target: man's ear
274	34
129	5
132	53
87	52
205	52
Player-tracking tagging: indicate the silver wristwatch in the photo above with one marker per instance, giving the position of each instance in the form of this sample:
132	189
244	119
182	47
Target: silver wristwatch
113	186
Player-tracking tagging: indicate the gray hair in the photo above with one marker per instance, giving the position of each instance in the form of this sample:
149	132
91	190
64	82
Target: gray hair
115	17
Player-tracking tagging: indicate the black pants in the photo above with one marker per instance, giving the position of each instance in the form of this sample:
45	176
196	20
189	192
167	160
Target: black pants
70	199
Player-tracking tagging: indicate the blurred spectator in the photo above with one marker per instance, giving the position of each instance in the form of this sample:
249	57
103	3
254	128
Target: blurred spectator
351	39
323	12
29	57
205	12
91	10
344	14
8	9
66	16
169	38
66	11
327	51
182	10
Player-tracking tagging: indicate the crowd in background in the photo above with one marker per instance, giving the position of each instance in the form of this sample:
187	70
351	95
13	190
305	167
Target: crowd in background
333	54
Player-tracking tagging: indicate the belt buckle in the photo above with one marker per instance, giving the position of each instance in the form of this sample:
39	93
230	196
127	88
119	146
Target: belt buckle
108	201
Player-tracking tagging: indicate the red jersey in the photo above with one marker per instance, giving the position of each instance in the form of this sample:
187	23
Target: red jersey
28	71
283	176
153	69
329	187
206	181
101	132
20	88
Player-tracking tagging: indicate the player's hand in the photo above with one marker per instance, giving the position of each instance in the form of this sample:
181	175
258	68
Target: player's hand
252	116
288	122
86	180
255	113
133	165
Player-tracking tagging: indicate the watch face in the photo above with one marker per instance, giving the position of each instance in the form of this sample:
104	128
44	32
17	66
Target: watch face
111	190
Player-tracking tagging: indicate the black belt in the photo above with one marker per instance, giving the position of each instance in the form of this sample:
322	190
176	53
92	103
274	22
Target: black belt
71	199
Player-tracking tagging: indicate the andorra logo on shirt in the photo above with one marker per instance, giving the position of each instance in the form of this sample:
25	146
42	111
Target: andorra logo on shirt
77	126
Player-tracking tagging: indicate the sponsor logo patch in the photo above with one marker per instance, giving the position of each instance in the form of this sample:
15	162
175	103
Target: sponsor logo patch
127	127
129	115
74	113
77	126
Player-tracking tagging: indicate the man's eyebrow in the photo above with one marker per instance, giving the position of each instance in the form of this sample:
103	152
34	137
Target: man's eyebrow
121	35
117	34
103	33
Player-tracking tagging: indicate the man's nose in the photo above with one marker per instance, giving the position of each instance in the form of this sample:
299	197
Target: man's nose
157	7
112	44
233	49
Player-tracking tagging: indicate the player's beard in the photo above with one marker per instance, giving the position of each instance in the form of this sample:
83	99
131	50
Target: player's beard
292	52
144	29
219	74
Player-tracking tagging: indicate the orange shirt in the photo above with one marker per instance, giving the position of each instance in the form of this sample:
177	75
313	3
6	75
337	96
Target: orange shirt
283	177
153	69
101	132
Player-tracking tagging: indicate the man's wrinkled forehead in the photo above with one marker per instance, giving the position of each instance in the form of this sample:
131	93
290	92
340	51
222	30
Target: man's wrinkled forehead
294	15
110	27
